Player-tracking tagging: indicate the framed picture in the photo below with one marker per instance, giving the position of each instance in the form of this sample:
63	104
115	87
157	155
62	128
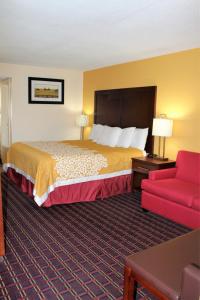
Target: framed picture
45	90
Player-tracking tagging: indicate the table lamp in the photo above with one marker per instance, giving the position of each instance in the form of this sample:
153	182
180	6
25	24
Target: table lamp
82	121
162	127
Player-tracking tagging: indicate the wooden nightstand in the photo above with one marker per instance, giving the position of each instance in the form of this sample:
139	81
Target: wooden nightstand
142	165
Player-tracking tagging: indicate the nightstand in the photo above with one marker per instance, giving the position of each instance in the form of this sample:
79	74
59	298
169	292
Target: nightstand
142	165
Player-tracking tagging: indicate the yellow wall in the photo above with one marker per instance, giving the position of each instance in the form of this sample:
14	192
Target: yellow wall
177	77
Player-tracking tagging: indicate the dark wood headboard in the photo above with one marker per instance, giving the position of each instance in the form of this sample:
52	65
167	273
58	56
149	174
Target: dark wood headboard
126	108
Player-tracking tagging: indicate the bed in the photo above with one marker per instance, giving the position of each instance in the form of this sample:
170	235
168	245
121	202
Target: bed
50	179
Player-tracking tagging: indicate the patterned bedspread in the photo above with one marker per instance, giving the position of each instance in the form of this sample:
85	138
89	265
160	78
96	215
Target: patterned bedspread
51	164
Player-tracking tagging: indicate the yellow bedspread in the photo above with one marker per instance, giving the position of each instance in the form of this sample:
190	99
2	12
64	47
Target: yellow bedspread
40	167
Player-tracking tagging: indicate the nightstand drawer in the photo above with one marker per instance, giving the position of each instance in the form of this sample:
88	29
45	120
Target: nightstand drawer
143	166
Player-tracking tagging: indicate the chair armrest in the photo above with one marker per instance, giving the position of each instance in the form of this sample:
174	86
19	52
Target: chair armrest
190	287
162	174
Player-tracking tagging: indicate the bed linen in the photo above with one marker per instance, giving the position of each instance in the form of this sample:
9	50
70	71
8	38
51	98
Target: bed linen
49	173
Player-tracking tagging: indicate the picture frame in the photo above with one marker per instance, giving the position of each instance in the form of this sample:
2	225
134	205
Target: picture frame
45	90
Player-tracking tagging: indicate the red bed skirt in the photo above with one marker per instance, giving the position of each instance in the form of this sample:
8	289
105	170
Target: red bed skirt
79	192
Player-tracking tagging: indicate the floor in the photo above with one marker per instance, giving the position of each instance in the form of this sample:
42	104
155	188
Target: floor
76	251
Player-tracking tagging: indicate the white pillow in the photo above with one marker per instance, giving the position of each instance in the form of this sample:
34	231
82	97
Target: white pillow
139	138
126	137
96	132
109	136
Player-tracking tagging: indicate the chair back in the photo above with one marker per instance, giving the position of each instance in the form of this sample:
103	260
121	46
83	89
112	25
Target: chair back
188	166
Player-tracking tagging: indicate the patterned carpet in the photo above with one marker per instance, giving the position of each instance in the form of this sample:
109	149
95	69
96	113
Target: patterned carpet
75	251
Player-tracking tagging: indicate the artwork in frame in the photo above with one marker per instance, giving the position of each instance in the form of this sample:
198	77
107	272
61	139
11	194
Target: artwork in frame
45	90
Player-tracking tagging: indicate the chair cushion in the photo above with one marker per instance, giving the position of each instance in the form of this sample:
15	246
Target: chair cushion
172	189
188	166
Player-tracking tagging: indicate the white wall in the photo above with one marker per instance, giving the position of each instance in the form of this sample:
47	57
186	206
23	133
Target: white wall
43	121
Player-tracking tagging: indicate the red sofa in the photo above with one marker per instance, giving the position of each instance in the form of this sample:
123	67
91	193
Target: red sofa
175	193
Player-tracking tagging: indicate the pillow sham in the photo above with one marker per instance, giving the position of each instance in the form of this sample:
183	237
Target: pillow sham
139	138
109	136
96	132
125	137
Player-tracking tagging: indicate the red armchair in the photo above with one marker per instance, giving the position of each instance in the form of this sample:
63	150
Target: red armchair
175	193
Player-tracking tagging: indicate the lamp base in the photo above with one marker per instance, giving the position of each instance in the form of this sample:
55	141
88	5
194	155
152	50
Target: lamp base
157	157
161	158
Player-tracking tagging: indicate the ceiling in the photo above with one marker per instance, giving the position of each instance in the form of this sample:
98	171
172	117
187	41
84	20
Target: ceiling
88	34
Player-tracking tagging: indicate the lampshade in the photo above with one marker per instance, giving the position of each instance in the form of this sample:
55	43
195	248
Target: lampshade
82	121
162	127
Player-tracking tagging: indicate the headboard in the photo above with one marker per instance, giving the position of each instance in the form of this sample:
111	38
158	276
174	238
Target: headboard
126	108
